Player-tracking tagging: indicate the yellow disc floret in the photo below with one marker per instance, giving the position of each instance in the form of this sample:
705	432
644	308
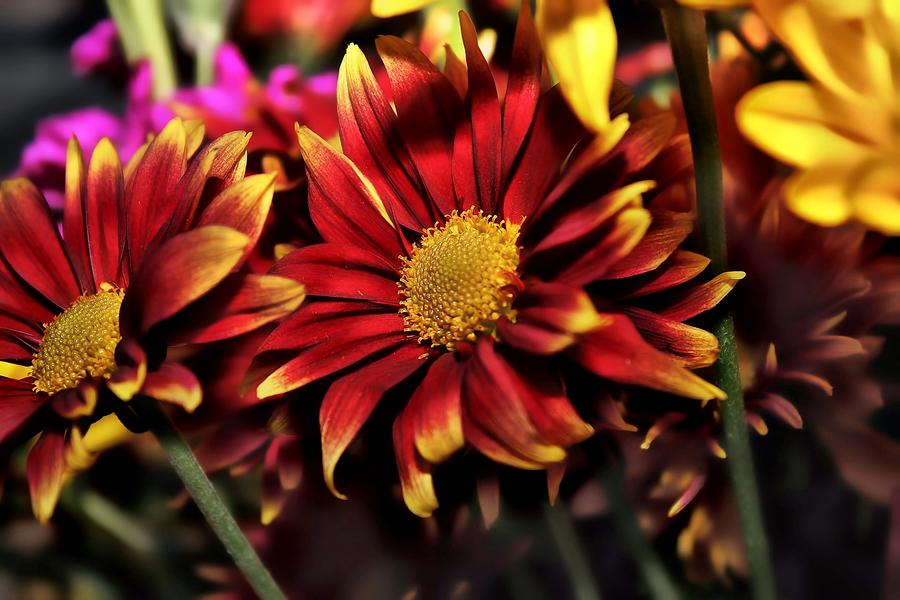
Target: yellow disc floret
79	343
458	281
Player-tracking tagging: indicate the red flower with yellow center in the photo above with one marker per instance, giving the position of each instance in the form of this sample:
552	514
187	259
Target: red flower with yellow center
150	255
479	251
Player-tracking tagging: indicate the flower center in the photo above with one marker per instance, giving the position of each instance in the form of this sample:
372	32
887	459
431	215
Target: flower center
79	343
458	281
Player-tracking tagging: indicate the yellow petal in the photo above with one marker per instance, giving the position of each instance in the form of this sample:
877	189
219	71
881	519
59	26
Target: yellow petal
792	121
875	198
580	40
842	54
391	8
819	196
14	371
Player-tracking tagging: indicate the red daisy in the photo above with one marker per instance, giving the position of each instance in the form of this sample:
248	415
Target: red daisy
481	250
150	255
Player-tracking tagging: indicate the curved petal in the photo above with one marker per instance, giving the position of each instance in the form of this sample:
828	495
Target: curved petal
703	297
174	384
238	305
693	347
351	399
338	351
342	203
580	40
180	271
370	137
618	352
243	207
629	228
433	412
415	475
790	121
31	243
496	400
45	467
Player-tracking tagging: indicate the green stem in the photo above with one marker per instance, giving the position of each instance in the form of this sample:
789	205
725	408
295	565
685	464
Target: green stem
564	534
142	28
204	494
652	568
686	30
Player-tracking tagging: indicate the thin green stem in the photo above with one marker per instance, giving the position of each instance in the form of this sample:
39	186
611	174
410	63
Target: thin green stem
559	521
686	30
204	494
632	536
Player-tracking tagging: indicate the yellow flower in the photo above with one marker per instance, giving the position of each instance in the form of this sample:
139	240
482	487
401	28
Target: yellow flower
840	129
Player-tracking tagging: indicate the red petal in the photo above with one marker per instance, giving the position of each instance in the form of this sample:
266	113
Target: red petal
76	402
523	89
24	305
495	401
337	352
150	190
485	122
703	297
315	322
45	467
174	384
415	475
180	271
619	353
219	165
31	243
582	221
667	232
240	304
73	214
693	347
554	132
342	203
243	206
131	370
17	402
534	338
434	410
428	108
104	222
630	226
681	267
371	139
342	271
642	142
351	399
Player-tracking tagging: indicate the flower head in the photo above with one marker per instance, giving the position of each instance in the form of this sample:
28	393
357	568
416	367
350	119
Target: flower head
844	163
150	255
475	251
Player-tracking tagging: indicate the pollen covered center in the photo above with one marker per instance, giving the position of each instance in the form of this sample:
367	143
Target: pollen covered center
459	280
79	343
